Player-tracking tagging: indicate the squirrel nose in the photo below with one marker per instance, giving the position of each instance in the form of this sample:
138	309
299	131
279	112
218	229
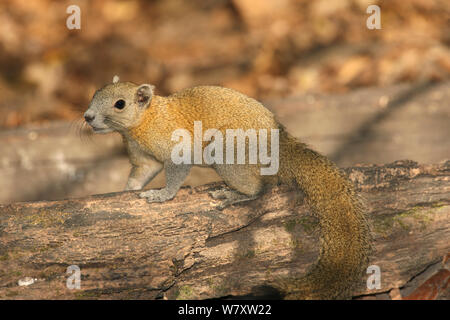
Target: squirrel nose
88	117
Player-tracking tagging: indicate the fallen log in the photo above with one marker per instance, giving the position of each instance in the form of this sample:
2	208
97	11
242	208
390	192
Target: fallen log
196	247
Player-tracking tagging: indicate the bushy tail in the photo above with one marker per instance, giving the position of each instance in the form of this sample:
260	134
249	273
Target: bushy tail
344	232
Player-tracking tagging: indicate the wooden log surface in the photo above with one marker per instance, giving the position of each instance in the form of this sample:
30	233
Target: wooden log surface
193	247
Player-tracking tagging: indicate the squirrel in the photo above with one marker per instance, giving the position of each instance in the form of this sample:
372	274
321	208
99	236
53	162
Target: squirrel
146	122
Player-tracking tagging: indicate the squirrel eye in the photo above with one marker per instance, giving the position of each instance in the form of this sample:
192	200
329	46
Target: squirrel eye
120	104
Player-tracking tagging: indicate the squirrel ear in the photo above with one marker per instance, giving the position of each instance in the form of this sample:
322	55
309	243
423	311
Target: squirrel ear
116	79
144	94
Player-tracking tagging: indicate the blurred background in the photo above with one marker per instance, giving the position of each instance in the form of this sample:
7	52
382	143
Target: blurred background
357	95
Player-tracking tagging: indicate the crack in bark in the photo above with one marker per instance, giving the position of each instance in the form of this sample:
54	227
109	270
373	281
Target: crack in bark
426	268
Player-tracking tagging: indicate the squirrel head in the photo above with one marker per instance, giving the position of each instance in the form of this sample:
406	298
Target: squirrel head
118	106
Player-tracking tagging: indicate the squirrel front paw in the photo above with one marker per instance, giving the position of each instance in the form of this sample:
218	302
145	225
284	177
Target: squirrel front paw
155	195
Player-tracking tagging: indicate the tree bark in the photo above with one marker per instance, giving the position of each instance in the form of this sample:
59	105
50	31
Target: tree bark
197	247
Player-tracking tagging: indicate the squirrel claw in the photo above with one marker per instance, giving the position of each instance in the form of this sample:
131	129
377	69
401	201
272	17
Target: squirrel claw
229	197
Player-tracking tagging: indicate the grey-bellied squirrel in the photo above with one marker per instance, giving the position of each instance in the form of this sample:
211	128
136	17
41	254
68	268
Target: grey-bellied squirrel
146	122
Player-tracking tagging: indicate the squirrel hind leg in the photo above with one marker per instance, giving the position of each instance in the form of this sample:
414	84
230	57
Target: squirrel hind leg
244	178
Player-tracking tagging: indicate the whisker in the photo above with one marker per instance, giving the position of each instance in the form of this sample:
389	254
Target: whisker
73	125
84	133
